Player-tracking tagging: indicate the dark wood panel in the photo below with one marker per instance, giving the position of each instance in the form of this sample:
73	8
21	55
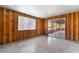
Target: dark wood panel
1	25
68	26
74	26
46	27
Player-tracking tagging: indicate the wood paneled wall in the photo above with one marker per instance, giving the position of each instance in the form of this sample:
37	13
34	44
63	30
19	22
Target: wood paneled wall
9	26
71	25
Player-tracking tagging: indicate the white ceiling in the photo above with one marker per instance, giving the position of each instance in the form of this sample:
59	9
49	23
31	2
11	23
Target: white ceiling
43	11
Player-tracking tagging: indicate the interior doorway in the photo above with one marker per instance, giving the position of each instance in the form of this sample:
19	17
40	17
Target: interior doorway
56	28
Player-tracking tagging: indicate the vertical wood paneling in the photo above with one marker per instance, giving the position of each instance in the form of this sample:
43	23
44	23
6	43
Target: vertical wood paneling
74	26
71	26
7	26
78	26
11	33
77	19
13	26
66	27
10	27
46	27
1	25
16	24
4	25
67	37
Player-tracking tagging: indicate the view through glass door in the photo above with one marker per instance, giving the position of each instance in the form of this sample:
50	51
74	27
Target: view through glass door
56	28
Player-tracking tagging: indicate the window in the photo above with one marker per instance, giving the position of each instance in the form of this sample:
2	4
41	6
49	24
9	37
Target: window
26	23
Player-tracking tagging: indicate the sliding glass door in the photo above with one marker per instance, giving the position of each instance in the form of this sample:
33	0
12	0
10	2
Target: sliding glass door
51	27
60	33
56	28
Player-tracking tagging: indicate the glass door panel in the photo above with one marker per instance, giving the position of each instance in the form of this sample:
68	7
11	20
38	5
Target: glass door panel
60	33
56	28
51	27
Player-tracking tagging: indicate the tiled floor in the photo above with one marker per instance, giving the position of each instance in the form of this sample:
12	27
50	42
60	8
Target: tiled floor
58	34
41	44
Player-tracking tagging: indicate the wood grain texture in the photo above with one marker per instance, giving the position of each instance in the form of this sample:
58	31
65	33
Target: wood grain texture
1	25
77	19
46	26
10	27
68	19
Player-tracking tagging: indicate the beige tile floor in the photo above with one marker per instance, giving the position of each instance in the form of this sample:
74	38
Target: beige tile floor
58	34
41	44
